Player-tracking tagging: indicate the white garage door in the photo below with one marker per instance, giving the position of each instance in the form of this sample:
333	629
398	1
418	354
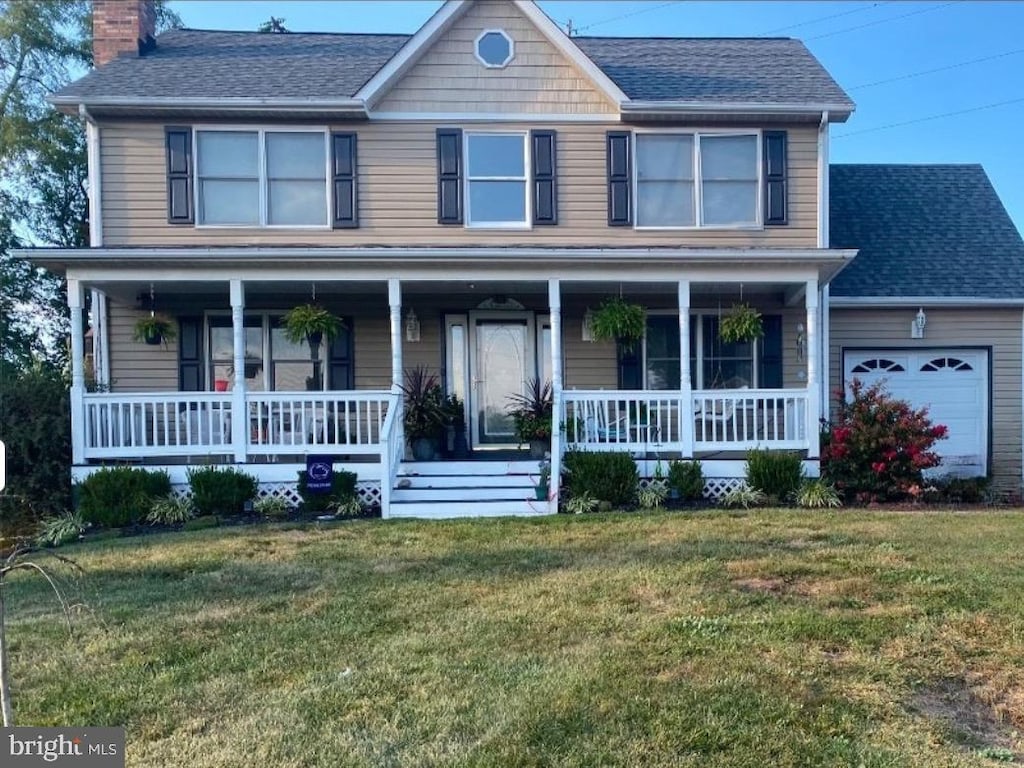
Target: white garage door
952	383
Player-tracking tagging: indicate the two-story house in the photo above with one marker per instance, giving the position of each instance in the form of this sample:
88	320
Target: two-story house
466	198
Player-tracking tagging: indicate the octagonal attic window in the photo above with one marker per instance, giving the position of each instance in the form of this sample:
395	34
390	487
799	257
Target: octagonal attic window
494	48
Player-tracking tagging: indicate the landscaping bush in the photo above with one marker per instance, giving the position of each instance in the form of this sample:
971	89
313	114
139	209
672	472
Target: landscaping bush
878	446
777	474
272	508
171	510
609	477
343	490
686	478
817	494
117	496
221	491
959	490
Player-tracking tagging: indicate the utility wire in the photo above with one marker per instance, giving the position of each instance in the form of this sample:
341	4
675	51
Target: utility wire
818	19
937	69
648	9
930	117
919	11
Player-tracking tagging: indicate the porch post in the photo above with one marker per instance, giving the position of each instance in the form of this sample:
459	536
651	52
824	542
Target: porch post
813	351
557	384
395	302
239	417
685	375
76	301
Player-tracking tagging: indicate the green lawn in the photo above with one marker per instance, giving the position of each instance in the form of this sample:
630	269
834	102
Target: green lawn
767	639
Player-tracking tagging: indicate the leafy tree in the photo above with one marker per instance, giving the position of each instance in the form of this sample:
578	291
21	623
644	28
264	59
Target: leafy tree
272	25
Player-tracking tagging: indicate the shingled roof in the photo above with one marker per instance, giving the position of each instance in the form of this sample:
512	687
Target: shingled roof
201	64
923	230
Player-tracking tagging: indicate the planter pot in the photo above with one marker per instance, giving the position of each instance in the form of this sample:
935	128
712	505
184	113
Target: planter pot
448	443
422	449
153	339
538	448
314	340
220	385
542	492
460	448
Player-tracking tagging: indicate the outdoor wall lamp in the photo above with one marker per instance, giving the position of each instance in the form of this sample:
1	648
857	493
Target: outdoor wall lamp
588	325
412	326
917	325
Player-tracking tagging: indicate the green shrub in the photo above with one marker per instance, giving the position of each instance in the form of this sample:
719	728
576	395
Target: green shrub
117	496
343	489
272	507
61	529
171	510
777	474
960	490
579	505
221	490
818	494
352	507
653	496
609	477
687	479
744	497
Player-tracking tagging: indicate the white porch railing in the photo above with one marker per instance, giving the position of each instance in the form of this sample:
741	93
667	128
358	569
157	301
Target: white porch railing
196	424
649	421
393	437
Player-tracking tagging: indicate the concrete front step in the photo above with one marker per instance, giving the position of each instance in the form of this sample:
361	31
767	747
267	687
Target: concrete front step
449	509
462	494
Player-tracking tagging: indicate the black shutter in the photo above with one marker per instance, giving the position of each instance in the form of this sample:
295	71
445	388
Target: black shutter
190	354
620	180
545	186
775	191
630	375
340	370
449	176
345	203
179	176
770	363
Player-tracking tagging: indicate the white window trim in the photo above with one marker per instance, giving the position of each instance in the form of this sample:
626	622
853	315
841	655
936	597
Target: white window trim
698	192
511	48
525	178
697	373
262	131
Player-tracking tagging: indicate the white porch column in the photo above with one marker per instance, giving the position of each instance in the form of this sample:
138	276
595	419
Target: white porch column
557	385
685	375
395	303
239	415
76	302
813	353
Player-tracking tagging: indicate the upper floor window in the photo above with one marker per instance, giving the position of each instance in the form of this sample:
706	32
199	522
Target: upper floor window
697	180
496	180
494	48
261	178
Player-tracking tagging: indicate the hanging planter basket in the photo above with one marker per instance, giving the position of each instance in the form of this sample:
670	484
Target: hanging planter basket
311	323
742	324
618	319
154	330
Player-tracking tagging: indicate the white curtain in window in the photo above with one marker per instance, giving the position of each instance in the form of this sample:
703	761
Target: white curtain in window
665	189
729	179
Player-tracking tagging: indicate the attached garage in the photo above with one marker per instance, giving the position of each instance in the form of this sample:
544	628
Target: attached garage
952	383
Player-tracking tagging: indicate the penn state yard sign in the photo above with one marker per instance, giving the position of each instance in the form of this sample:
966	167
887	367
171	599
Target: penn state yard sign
319	474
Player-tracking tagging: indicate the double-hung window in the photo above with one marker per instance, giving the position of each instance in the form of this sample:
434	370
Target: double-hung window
697	180
714	364
261	178
496	180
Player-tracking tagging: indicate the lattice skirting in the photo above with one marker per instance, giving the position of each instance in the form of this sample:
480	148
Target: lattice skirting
714	487
368	492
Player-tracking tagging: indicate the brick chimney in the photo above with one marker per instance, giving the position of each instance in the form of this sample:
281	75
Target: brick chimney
121	28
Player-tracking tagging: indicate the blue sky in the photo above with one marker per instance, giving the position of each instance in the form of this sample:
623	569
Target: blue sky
860	43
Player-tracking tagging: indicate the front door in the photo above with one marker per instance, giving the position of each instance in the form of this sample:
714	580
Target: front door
501	362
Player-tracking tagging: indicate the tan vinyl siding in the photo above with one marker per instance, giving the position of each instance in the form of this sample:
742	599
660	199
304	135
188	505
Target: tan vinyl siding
135	366
999	329
398	196
449	77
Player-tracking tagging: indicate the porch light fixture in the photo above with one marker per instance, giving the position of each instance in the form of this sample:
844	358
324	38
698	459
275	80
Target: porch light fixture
412	326
801	342
588	325
917	325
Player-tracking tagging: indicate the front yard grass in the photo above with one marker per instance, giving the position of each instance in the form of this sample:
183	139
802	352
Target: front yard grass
712	639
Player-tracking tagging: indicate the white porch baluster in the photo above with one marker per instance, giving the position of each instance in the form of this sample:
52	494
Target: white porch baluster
239	417
685	375
395	302
76	299
813	392
557	384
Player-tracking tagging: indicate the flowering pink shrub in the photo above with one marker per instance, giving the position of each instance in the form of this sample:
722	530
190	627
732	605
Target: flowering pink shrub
877	447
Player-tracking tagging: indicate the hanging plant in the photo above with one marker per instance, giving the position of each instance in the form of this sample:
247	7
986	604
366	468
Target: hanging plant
742	324
311	323
618	319
155	329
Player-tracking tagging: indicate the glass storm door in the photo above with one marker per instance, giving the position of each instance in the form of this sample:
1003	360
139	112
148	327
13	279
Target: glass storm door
501	364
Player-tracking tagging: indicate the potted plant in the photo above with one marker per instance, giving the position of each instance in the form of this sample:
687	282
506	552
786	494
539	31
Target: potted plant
455	422
424	413
532	413
742	324
543	487
620	320
155	329
311	323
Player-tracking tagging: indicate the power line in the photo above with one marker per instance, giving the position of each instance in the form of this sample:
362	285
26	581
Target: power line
937	69
919	11
818	19
648	9
930	117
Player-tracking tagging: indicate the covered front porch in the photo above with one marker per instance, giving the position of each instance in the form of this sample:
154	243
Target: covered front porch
230	390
